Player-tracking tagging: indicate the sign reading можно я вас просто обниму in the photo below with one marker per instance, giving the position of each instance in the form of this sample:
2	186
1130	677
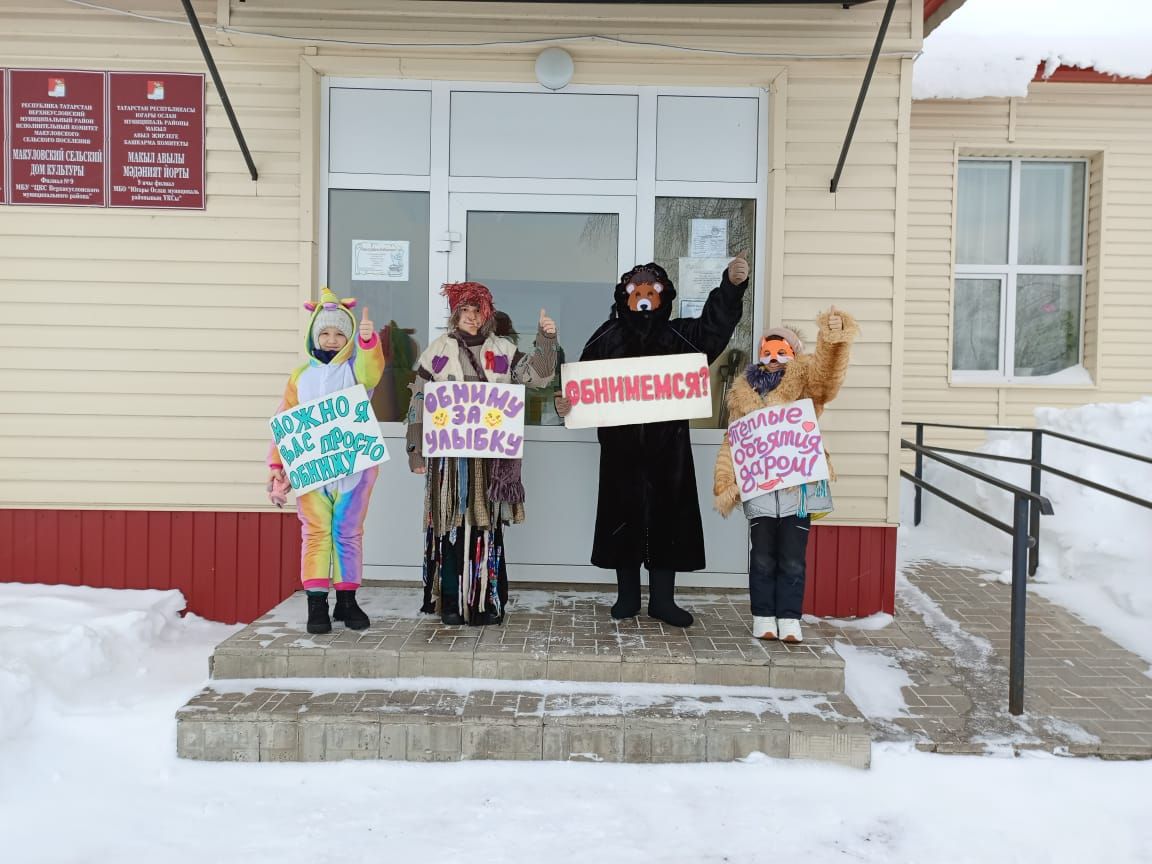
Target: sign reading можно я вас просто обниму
328	439
100	139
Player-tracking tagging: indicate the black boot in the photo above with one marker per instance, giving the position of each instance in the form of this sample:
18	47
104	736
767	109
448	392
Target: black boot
349	611
318	620
661	599
450	611
627	603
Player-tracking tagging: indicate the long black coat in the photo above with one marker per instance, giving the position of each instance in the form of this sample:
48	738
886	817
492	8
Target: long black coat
648	511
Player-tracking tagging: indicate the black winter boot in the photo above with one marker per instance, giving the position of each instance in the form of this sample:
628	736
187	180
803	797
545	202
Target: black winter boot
450	611
627	603
318	620
662	602
349	611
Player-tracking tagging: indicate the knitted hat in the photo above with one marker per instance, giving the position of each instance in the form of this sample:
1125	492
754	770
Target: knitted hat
468	294
331	311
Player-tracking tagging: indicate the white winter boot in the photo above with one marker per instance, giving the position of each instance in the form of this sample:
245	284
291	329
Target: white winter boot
790	631
764	628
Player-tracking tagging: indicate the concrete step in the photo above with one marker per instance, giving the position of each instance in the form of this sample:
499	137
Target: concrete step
452	720
565	635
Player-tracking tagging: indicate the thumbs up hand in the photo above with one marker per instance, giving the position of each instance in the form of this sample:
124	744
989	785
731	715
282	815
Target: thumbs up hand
367	328
835	321
738	269
547	325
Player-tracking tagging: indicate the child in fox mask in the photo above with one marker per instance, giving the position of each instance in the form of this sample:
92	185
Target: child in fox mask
779	521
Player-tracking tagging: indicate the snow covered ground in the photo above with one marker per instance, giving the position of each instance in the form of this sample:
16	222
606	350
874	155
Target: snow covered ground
992	47
1095	550
88	774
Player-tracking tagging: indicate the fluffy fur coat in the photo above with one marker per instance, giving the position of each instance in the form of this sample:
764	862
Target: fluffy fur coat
815	376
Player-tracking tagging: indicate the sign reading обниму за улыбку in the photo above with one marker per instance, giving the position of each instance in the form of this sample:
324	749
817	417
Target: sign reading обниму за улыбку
473	419
328	439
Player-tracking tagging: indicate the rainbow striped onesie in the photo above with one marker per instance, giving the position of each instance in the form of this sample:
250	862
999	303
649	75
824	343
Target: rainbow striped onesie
332	517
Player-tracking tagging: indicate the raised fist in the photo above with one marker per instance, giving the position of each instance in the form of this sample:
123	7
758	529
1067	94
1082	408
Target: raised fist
367	328
835	322
547	325
738	269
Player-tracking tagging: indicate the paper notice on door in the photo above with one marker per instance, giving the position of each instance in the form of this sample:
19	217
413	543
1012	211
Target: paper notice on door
698	276
380	260
709	238
691	308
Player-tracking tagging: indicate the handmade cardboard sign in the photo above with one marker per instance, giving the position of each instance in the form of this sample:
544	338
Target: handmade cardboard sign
473	419
777	448
637	390
328	439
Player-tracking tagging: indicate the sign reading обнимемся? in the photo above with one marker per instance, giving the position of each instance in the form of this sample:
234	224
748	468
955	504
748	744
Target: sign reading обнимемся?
328	439
637	390
56	132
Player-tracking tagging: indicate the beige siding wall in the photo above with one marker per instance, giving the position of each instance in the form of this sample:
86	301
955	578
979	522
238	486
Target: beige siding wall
1112	126
172	333
140	350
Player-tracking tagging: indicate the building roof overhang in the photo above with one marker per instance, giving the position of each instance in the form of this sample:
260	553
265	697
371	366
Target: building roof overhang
890	6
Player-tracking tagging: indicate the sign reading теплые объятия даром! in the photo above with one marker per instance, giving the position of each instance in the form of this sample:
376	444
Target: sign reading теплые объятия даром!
777	448
328	439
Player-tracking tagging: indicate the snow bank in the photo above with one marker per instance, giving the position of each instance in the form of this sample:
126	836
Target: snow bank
60	645
874	681
992	47
96	778
1095	551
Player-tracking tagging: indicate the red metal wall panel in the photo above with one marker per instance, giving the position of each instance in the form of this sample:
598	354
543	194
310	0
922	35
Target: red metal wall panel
1074	75
235	566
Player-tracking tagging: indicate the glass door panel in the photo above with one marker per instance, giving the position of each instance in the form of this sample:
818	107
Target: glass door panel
562	254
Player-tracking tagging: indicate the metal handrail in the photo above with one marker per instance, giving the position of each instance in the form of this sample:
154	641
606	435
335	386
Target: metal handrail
1025	502
1033	430
933	453
1028	504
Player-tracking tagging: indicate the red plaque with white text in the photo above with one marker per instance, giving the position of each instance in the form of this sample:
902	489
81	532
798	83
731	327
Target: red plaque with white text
3	139
156	140
56	137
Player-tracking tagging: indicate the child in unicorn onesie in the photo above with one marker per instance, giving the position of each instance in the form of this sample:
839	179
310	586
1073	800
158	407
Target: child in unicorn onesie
468	502
332	516
779	521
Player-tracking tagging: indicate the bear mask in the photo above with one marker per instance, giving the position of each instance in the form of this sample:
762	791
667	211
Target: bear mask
644	293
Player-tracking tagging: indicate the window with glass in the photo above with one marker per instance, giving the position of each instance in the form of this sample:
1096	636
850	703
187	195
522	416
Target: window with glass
560	262
695	239
1019	289
378	253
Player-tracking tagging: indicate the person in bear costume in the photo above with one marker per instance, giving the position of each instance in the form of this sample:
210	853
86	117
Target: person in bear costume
647	512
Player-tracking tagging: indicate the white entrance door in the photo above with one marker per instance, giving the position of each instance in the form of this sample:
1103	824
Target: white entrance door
563	254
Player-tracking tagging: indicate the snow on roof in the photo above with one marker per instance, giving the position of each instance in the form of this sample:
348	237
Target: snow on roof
992	47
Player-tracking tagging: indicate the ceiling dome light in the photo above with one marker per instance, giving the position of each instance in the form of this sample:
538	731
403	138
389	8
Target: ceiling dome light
554	68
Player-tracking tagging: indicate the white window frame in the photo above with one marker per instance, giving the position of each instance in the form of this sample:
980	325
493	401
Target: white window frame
1008	274
645	189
